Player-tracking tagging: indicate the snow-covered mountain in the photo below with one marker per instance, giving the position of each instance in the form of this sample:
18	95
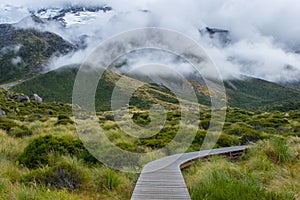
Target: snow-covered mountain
71	15
67	15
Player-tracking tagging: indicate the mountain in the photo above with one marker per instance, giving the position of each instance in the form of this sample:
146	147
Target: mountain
24	52
247	93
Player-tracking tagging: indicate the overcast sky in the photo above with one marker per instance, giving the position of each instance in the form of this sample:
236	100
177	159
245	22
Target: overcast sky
265	33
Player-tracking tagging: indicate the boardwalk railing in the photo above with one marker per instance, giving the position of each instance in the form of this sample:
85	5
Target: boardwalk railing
162	178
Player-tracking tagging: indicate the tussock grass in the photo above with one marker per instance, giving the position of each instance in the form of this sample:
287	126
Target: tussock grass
47	182
269	170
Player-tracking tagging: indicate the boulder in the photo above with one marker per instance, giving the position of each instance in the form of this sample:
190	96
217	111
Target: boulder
36	98
2	113
20	98
8	96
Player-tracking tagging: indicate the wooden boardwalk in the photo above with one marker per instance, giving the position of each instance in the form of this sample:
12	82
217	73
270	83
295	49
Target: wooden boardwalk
162	178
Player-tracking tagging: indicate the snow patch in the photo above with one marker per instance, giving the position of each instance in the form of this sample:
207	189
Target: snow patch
12	14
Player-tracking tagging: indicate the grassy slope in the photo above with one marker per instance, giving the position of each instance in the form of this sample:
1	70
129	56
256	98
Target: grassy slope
58	86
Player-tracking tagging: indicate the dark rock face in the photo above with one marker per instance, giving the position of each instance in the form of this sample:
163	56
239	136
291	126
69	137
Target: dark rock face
223	36
36	98
2	113
6	29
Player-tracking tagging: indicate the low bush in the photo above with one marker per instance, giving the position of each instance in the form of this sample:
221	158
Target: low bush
63	120
252	136
141	119
37	152
204	124
198	140
225	140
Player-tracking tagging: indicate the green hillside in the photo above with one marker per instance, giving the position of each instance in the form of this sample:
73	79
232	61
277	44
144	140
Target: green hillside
57	86
23	52
253	94
247	93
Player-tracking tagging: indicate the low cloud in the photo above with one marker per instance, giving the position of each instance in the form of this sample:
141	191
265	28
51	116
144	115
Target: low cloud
264	34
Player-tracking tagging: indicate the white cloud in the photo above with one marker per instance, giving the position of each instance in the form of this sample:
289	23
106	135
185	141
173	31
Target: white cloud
265	33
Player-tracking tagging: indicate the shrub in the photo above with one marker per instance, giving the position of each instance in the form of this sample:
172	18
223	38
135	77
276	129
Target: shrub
198	140
252	136
141	119
204	124
38	150
64	175
63	120
239	130
226	140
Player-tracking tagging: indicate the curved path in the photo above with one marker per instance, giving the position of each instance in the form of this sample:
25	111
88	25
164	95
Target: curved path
162	178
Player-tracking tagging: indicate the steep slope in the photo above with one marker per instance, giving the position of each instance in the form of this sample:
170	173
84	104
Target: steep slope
24	51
